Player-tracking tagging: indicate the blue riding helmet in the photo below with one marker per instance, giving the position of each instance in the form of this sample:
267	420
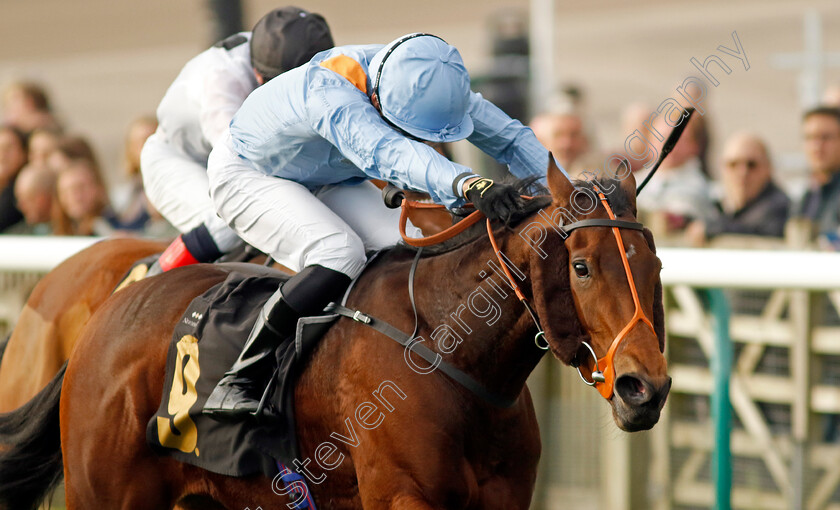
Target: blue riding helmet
423	88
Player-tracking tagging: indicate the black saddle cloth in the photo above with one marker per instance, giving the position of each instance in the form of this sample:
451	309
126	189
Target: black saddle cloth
205	343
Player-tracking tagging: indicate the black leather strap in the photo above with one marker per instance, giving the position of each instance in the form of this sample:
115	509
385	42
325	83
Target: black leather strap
424	352
602	222
411	289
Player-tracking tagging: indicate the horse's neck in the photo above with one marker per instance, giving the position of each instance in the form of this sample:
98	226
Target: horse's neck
462	295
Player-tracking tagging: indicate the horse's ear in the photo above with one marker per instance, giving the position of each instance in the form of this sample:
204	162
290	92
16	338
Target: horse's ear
554	302
628	186
560	186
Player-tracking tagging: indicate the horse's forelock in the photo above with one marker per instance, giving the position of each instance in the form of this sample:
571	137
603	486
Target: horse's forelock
617	196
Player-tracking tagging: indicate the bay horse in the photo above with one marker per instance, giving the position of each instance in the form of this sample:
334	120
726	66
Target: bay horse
57	309
430	443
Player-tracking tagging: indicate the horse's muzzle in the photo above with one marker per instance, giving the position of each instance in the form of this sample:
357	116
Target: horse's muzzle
639	401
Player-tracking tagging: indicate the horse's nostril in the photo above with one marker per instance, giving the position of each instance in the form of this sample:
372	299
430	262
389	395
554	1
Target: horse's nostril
632	390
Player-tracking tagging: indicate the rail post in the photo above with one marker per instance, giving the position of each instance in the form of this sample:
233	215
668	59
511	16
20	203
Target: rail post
721	365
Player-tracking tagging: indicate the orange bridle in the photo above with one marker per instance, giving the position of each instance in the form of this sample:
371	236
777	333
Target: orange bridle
603	381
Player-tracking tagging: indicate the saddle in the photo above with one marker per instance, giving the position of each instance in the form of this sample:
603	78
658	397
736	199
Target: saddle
205	343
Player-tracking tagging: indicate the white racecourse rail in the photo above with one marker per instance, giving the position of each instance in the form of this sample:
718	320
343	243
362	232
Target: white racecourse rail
38	254
681	266
23	261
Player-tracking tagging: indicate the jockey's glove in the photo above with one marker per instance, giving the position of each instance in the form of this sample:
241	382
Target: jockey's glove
497	201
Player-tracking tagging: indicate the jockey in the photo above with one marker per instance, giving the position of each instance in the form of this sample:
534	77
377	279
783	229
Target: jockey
197	110
290	178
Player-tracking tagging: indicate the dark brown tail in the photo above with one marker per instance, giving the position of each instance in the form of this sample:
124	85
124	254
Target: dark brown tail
30	449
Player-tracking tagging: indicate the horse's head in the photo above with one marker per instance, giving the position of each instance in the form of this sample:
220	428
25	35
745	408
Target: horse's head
585	272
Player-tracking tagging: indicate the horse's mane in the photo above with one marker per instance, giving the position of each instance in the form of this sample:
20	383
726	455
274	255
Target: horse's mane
619	202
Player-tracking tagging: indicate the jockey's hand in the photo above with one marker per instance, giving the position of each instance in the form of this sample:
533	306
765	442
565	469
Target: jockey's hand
496	201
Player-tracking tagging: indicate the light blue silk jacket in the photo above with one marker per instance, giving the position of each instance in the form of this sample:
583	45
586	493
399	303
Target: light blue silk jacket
314	126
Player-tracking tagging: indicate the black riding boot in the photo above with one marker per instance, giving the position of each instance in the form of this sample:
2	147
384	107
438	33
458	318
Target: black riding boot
239	392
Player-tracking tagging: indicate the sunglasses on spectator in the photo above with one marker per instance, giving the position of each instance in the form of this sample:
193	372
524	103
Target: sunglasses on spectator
751	164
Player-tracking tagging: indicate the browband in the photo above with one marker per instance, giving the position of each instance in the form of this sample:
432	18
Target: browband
602	222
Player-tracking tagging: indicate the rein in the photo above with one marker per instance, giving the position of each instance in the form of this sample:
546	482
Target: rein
603	381
445	235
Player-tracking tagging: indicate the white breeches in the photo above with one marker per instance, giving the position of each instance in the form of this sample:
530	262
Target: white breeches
332	227
177	187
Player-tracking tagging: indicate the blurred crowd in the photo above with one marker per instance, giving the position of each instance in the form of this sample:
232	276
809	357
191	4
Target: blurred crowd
51	181
695	199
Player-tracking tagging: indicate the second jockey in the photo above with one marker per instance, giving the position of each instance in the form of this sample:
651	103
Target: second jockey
196	112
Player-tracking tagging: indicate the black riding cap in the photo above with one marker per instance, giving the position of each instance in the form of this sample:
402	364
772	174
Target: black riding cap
286	38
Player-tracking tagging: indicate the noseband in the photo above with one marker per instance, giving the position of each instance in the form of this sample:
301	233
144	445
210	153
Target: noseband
602	380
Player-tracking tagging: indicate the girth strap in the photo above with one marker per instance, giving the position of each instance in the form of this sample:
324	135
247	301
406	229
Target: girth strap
424	352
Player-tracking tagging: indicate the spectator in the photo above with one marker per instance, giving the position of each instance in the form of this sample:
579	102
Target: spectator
700	129
831	96
42	143
83	201
752	204
129	199
26	106
565	136
635	116
821	204
12	159
70	148
680	191
34	191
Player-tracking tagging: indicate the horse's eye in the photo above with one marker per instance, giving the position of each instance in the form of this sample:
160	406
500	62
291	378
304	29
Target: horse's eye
581	270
